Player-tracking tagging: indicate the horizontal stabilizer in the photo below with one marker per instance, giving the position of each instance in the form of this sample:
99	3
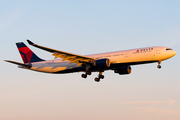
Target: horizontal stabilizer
21	64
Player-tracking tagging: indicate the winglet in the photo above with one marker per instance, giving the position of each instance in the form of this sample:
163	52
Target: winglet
31	43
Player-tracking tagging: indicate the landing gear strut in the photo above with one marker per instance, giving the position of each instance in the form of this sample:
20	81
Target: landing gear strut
159	66
100	76
88	73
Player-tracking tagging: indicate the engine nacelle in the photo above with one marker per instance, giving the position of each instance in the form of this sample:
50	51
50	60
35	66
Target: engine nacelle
102	63
123	70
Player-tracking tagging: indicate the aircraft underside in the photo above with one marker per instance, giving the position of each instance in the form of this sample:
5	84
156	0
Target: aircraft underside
94	69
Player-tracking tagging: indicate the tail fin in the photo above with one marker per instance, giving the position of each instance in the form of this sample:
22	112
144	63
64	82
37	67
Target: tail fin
27	55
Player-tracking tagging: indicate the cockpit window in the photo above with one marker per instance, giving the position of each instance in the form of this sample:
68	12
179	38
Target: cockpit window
168	49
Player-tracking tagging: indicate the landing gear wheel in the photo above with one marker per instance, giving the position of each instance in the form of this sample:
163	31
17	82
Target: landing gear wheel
159	66
101	76
97	79
84	76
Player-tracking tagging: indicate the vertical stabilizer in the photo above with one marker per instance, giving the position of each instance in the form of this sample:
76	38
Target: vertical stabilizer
27	55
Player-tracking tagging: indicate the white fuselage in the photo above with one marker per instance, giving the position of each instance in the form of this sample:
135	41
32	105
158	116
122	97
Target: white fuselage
129	57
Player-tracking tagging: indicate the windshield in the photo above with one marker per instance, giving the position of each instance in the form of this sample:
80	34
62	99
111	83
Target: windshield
168	49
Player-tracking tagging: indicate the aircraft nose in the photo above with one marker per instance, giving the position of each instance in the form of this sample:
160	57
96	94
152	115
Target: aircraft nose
174	52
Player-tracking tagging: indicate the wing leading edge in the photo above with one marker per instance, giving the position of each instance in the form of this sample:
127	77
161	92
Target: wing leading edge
73	58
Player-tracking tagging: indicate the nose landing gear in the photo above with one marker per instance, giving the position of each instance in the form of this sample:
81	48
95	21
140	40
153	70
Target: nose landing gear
159	66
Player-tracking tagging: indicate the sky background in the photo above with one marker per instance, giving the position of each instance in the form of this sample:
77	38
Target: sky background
88	27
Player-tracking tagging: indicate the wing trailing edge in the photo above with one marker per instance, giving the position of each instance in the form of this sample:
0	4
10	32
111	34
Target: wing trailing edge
73	58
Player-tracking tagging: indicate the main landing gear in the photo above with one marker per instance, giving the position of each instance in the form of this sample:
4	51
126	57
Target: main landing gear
97	79
85	74
159	66
100	76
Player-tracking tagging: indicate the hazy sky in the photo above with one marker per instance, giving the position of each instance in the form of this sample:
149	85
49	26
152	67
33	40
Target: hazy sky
88	27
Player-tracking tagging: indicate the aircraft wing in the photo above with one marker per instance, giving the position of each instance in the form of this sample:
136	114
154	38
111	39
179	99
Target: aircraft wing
73	58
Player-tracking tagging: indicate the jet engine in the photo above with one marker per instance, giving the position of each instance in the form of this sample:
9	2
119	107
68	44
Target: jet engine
123	70
102	63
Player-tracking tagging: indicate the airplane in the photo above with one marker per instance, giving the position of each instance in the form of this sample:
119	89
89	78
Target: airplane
120	61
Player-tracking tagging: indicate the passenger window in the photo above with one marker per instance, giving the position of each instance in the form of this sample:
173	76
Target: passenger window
116	55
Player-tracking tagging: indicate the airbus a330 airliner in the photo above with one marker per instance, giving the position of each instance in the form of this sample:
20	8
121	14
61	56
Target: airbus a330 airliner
119	61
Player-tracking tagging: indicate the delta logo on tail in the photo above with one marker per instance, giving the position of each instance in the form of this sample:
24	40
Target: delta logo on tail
27	55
